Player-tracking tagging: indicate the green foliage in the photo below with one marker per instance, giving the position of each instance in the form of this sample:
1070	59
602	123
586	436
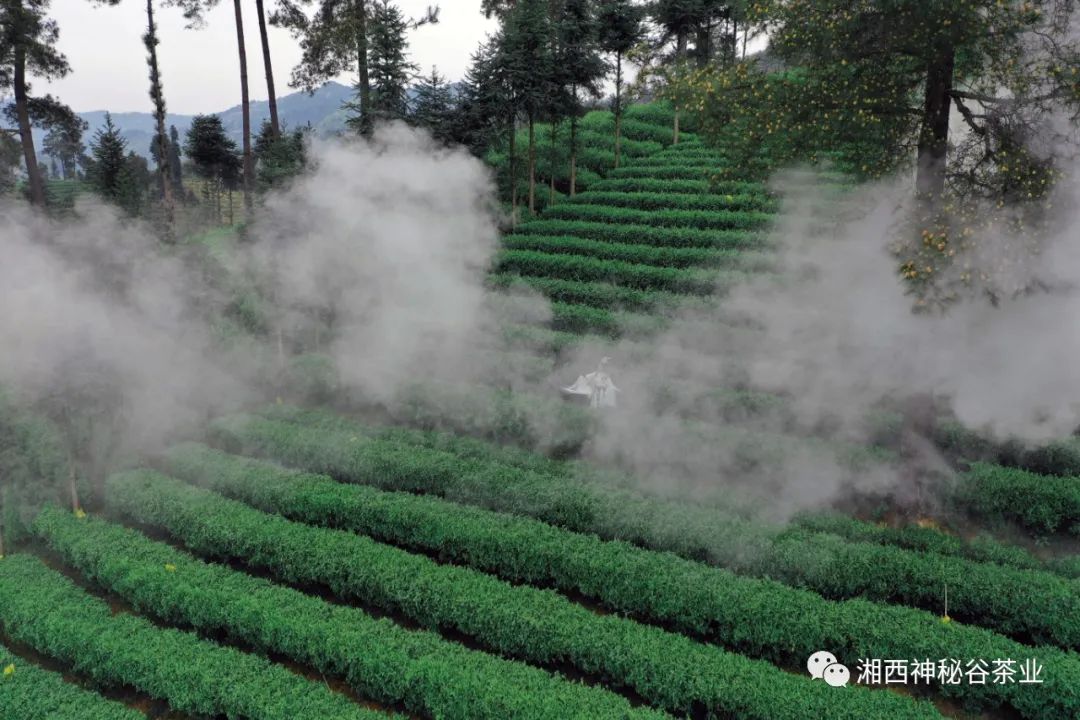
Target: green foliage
33	467
1060	457
1039	503
592	138
432	106
982	548
462	446
525	57
600	122
587	269
483	111
577	64
691	219
545	422
748	170
418	670
213	154
581	318
664	258
791	116
673	201
593	294
620	24
621	28
48	612
660	113
536	625
31	693
705	161
542	340
1002	598
312	378
135	181
596	153
10	159
697	187
279	159
60	195
779	623
862	75
115	174
651	235
388	64
596	149
63	142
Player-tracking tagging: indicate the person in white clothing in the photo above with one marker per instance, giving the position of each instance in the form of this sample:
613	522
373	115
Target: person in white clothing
597	386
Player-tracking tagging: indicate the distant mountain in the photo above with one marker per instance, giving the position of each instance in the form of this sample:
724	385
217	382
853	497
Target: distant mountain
322	110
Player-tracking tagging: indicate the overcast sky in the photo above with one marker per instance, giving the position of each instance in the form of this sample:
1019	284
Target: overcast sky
200	68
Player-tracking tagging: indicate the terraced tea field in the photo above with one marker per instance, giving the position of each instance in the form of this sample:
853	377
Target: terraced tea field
298	563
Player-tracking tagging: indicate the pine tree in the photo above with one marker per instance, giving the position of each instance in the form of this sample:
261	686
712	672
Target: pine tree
621	28
10	154
214	157
579	66
497	8
866	63
678	20
333	41
483	103
280	157
433	106
63	142
107	160
28	47
131	183
529	68
390	70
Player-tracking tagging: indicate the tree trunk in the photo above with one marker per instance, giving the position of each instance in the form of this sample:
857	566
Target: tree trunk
22	115
245	107
552	158
618	108
704	45
532	165
232	220
73	486
157	94
680	55
573	154
934	135
513	174
275	126
360	9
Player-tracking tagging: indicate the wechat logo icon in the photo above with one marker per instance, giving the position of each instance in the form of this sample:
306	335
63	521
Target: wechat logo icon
822	665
